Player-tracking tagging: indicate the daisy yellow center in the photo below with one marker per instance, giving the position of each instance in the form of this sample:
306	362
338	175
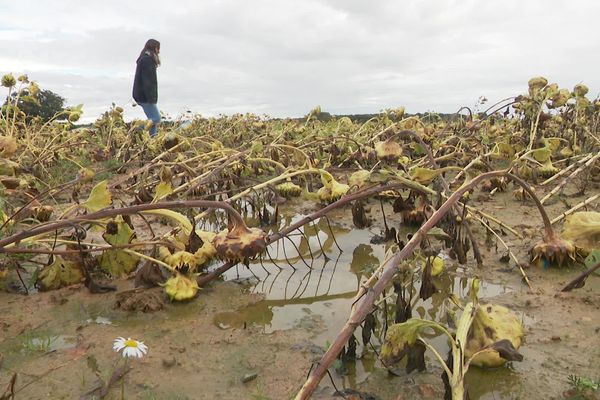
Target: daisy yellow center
130	343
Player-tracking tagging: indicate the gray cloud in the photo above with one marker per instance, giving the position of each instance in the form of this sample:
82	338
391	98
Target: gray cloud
283	57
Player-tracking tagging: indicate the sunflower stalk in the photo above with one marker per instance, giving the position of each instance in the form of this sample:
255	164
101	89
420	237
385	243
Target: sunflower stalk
575	208
568	179
566	170
380	279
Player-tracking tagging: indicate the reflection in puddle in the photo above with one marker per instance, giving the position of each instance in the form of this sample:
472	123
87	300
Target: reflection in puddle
324	282
47	343
99	320
330	283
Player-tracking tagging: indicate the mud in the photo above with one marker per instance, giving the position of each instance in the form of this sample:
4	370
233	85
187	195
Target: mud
255	334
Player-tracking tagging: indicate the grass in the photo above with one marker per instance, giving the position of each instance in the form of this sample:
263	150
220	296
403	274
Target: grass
582	383
41	344
64	170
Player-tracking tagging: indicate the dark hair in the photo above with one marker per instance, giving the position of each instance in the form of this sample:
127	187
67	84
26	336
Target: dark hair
152	46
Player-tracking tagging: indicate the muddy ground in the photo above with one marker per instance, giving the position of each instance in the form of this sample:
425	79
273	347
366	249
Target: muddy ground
254	334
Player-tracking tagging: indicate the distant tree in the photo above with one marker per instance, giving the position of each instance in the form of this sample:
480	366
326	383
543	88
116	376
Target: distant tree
46	104
318	114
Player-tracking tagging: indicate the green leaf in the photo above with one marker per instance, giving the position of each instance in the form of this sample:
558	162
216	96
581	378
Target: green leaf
592	259
257	148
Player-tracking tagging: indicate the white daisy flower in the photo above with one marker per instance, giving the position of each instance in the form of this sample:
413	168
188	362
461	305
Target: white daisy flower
130	347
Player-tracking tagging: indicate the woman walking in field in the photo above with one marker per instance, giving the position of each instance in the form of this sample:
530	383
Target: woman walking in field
145	86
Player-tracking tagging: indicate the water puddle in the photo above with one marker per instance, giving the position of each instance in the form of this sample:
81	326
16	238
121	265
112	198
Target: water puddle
327	285
47	343
99	320
35	344
317	297
308	283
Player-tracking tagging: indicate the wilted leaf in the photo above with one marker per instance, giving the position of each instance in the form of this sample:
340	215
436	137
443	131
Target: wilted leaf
426	175
542	155
437	266
100	198
163	189
359	215
400	337
174	215
427	286
149	275
416	358
438	233
58	274
507	351
8	167
583	228
8	146
194	242
114	261
423	175
492	324
4	218
403	310
368	328
359	178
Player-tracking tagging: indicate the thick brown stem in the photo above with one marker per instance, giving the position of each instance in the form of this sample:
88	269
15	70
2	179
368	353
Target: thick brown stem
53	226
530	192
18	250
455	210
206	278
364	304
580	279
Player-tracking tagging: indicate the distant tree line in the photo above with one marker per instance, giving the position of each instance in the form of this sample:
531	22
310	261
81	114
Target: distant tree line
362	118
45	104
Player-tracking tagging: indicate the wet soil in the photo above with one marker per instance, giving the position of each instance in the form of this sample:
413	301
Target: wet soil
254	334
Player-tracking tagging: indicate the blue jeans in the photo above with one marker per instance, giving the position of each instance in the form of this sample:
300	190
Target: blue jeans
151	111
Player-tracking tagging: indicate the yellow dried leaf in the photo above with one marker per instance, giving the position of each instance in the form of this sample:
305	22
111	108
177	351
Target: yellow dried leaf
114	261
359	178
542	155
163	189
583	228
8	146
426	175
100	198
174	215
437	266
58	274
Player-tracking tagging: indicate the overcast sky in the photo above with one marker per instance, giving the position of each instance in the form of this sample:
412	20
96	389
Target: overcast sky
282	58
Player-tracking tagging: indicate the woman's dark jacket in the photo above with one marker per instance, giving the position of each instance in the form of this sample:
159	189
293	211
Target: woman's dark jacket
145	87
